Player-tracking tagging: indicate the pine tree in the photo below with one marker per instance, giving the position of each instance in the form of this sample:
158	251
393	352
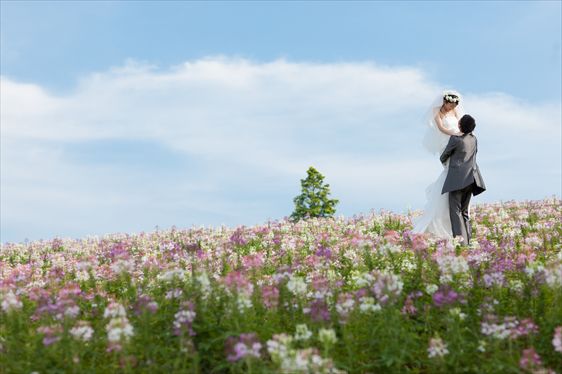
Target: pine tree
313	201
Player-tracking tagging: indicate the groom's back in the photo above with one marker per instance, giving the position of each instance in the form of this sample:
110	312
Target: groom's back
465	151
463	169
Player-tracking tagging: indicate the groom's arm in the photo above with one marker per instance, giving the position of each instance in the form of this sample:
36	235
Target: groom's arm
453	141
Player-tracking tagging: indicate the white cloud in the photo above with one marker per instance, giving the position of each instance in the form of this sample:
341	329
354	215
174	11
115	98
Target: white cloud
242	135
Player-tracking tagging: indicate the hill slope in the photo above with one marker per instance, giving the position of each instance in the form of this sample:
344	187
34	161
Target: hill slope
351	295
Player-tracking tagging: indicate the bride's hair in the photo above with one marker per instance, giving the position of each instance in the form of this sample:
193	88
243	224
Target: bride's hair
451	97
467	124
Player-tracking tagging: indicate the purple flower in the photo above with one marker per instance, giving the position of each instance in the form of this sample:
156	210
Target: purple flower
237	238
52	334
184	318
445	296
324	252
409	307
319	310
145	304
246	345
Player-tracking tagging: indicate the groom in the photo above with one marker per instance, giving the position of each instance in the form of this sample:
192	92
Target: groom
463	178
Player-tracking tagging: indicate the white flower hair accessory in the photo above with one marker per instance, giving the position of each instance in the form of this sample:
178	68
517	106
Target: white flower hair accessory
451	96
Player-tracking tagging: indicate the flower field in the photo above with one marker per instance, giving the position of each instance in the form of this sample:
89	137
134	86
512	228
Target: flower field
354	295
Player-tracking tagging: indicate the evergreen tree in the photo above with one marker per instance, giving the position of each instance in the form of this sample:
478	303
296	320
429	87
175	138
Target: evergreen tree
313	201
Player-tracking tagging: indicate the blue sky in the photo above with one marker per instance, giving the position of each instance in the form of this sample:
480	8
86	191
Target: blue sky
121	116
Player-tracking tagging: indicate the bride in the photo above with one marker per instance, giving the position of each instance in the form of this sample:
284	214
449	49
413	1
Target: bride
442	122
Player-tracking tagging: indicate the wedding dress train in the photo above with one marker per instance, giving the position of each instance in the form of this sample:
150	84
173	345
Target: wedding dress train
435	218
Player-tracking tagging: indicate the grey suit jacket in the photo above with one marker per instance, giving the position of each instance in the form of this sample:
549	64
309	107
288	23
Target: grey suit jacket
463	169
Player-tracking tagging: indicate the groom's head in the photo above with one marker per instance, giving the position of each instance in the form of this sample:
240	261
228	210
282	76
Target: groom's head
467	124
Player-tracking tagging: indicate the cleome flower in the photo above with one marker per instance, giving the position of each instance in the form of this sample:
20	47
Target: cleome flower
387	287
119	330
557	339
297	286
10	302
183	319
245	345
437	348
82	331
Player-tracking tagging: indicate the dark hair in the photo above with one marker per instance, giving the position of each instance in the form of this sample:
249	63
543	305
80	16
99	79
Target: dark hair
451	98
467	124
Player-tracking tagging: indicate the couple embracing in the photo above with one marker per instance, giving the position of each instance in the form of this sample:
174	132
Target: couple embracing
450	135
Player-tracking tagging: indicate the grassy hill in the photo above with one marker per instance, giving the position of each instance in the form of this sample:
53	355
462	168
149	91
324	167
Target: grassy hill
357	295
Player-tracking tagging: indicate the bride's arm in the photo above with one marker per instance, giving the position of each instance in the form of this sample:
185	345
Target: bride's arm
441	127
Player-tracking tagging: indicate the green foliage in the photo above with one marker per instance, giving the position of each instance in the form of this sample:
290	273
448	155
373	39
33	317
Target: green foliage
313	201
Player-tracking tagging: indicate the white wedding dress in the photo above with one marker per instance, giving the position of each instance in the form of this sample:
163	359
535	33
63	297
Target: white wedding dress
435	218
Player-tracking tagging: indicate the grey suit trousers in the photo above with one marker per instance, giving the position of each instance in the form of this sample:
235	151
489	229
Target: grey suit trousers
459	201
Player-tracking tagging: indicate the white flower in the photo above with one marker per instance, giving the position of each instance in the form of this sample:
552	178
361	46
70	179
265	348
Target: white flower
114	310
516	285
174	294
302	332
10	302
327	336
72	311
389	248
499	331
457	313
482	346
437	348
297	286
557	339
244	302
450	265
553	276
122	266
170	275
82	332
205	283
431	288
182	317
119	328
82	275
368	305
360	279
408	265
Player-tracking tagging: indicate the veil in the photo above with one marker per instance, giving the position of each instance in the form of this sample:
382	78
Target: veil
434	141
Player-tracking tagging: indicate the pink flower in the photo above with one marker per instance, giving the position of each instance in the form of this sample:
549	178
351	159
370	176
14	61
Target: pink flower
252	261
237	282
418	243
529	359
392	236
525	327
270	296
557	339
